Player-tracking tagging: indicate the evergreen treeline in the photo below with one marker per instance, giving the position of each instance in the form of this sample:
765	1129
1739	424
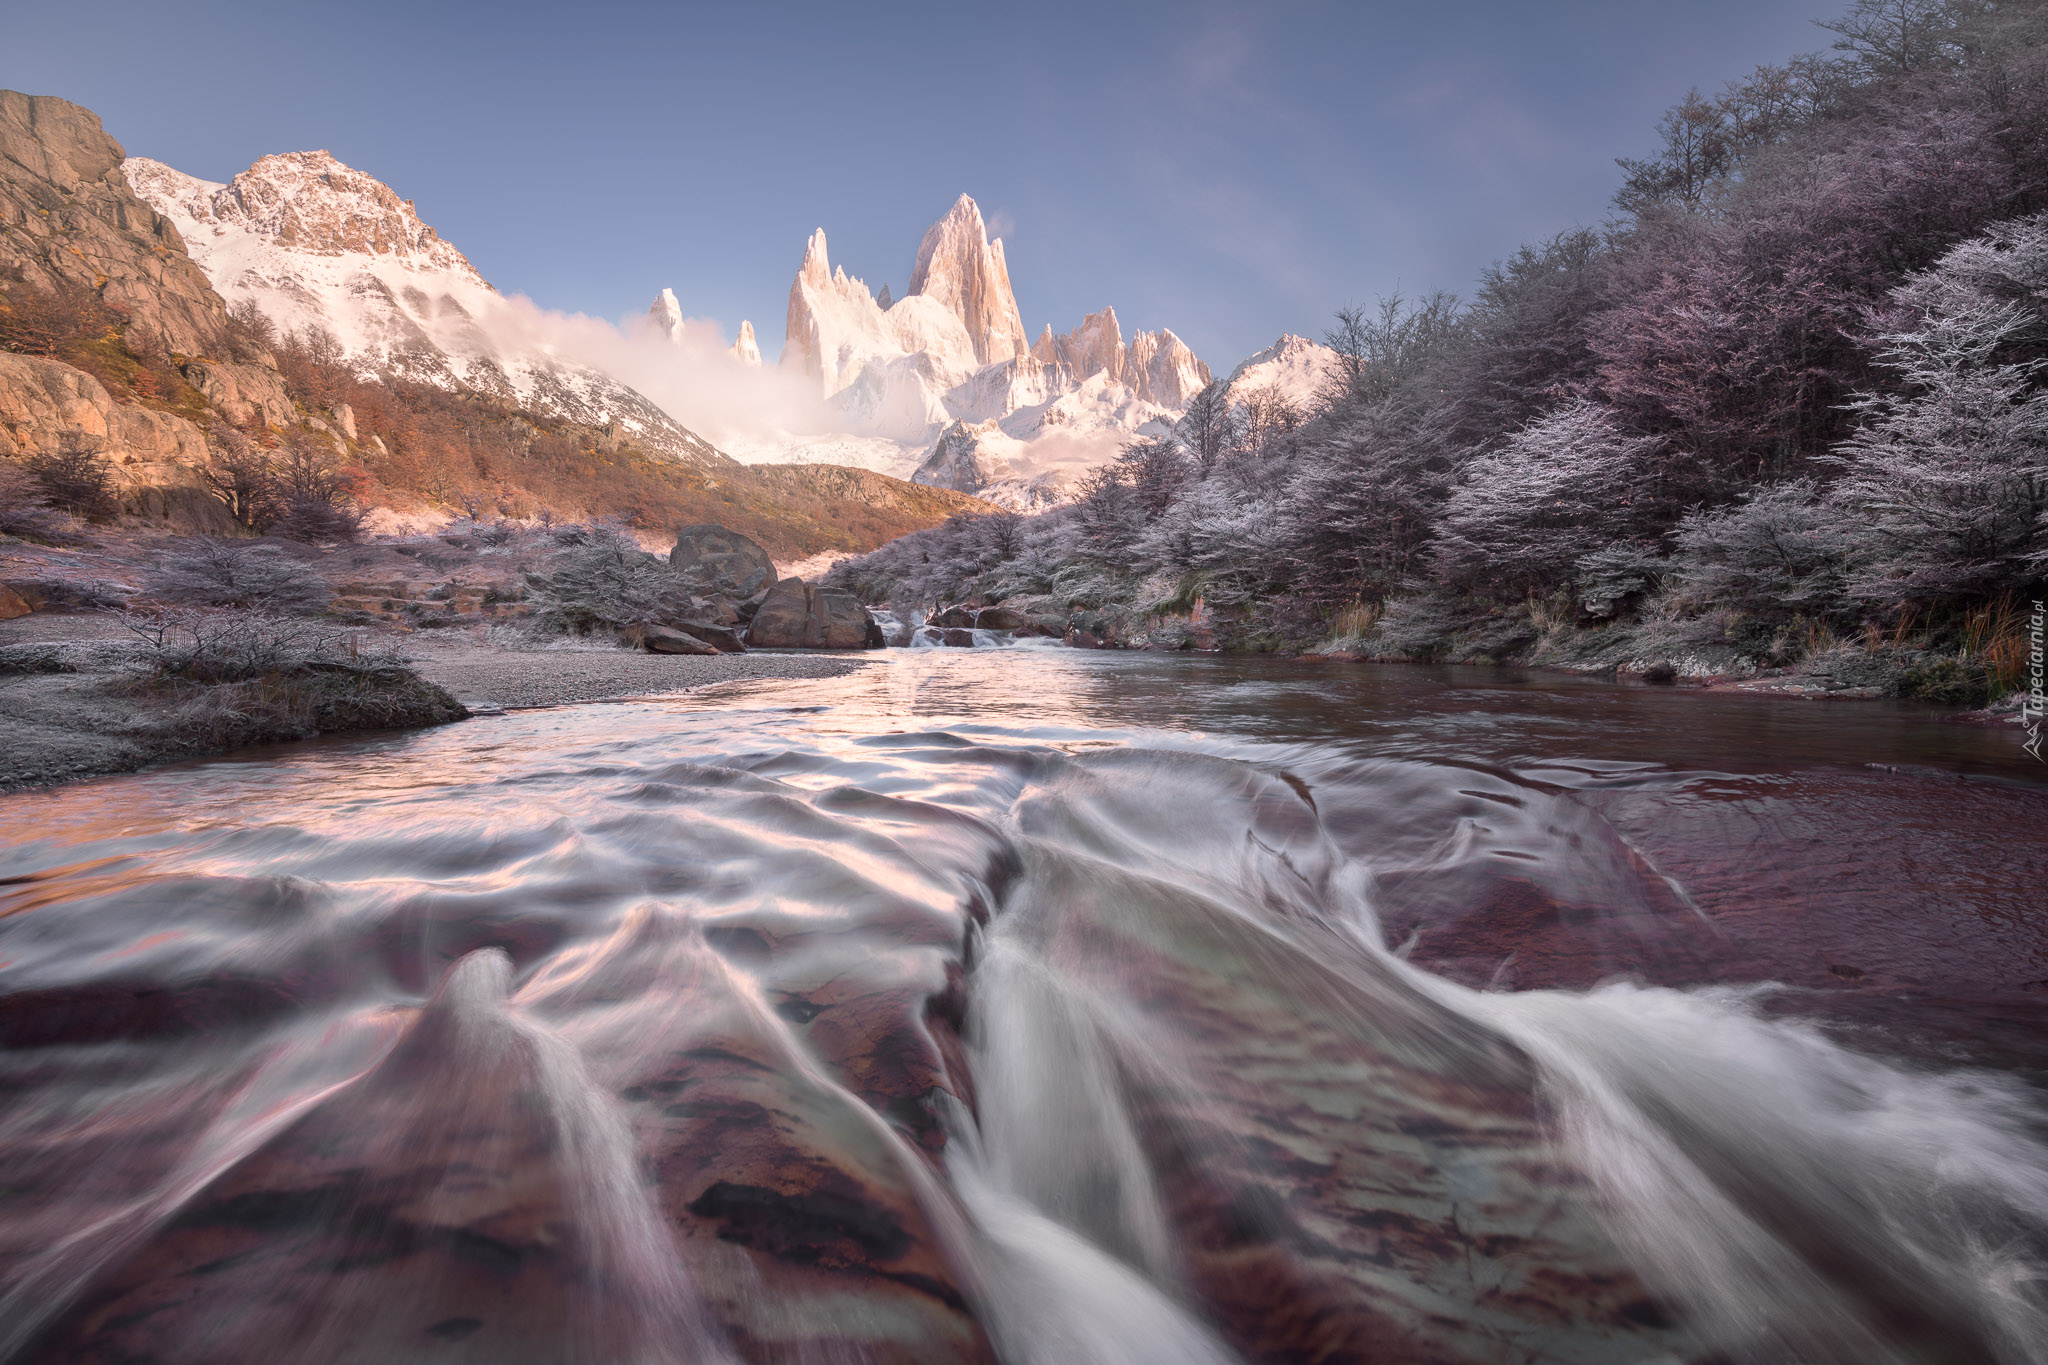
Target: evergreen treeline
1791	395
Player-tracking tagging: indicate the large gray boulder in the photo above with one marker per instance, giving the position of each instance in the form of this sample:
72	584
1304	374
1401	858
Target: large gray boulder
800	615
720	562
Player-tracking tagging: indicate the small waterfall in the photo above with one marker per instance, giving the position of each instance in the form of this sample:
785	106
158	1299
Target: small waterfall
1080	1257
1801	1200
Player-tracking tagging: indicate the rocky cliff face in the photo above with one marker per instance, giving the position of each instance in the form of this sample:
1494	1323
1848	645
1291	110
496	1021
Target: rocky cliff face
69	220
67	216
158	460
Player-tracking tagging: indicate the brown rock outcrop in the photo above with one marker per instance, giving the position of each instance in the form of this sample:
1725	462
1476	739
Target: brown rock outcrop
158	460
245	393
12	604
800	615
68	216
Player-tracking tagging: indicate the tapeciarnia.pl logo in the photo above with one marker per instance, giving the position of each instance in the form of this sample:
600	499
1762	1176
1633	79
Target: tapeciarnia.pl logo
2031	708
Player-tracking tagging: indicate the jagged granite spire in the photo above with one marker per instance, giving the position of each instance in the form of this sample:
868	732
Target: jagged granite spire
959	268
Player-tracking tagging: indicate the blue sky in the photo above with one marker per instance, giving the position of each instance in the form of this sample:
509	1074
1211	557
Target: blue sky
1231	172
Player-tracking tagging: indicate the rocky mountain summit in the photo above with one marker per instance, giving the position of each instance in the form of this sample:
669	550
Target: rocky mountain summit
314	243
954	346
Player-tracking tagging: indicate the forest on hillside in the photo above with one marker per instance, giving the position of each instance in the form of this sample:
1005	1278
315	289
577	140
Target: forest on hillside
1786	403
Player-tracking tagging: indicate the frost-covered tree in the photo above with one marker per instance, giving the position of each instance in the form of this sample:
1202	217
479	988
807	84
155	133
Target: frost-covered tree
1208	430
1950	470
1530	334
1784	550
1563	487
1371	485
25	509
1230	540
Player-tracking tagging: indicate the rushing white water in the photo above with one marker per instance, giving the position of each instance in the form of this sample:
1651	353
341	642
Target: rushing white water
1025	1006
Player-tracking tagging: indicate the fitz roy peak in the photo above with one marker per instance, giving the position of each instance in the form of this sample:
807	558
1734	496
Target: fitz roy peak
314	243
947	373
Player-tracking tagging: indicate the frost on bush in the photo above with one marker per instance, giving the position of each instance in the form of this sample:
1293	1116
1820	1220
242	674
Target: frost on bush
1949	473
598	578
26	510
224	645
1615	575
1567	485
204	572
1786	550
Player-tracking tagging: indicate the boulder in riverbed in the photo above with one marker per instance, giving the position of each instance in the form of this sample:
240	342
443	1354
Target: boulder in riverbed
999	618
723	638
955	618
665	640
721	562
800	615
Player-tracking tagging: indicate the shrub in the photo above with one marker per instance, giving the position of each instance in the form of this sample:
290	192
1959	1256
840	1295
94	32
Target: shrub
1783	552
204	572
1567	485
25	509
599	578
1946	682
216	645
75	480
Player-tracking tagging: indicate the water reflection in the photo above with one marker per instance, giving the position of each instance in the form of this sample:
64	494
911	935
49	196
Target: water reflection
1037	1005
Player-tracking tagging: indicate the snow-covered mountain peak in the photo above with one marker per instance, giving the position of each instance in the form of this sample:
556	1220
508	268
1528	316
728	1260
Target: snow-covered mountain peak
314	243
745	349
816	269
1293	368
311	203
952	356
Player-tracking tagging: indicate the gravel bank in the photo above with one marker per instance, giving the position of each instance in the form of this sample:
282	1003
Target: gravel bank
480	675
83	721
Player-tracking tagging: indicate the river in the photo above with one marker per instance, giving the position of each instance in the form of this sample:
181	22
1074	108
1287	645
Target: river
1047	1007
